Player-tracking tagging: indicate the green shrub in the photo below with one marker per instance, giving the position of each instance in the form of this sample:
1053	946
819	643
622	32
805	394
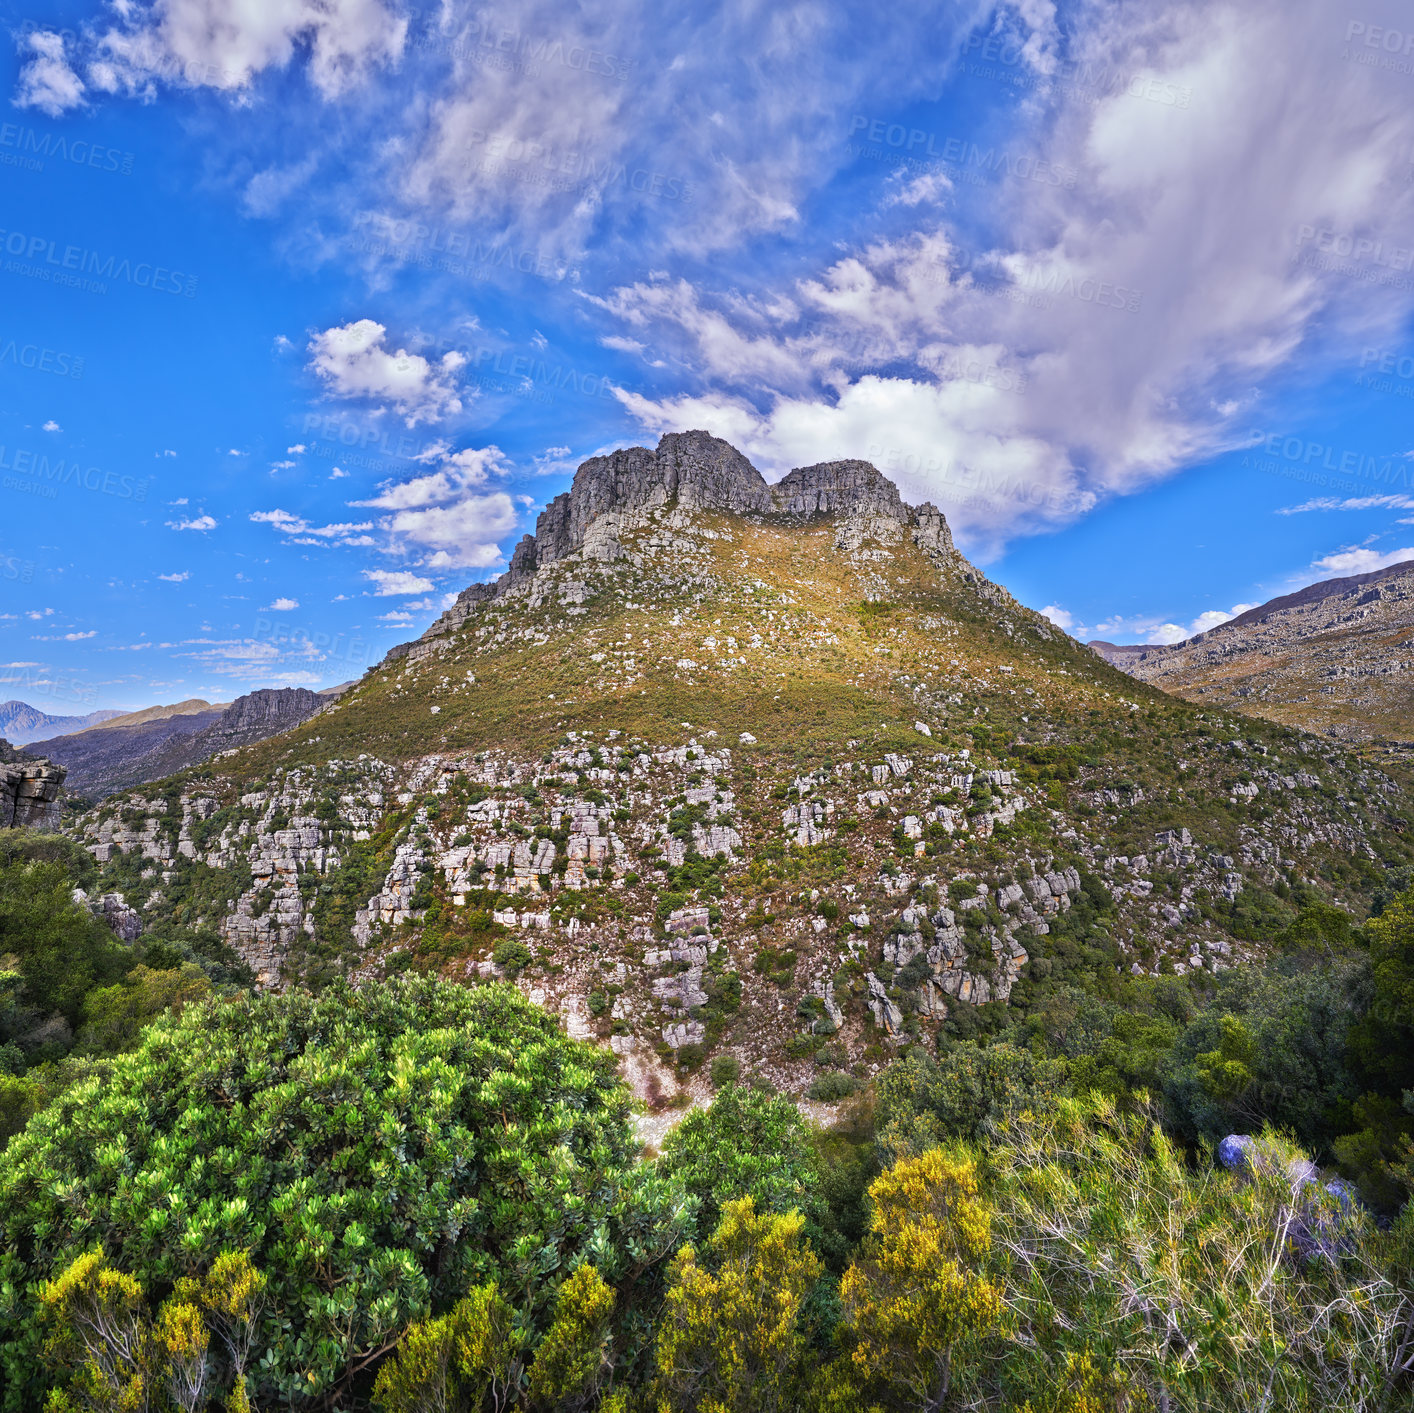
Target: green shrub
377	1152
747	1144
831	1087
512	956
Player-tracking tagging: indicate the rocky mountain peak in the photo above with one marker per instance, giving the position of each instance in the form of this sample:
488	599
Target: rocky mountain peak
838	488
694	471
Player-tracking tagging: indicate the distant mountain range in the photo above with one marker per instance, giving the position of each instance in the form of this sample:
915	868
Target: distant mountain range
1334	657
21	723
131	749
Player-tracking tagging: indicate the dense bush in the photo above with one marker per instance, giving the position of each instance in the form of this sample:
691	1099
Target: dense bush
378	1153
747	1144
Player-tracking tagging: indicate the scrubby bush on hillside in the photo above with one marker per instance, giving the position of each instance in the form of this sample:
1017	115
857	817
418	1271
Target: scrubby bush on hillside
378	1153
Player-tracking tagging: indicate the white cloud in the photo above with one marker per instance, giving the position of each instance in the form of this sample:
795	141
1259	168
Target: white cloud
213	44
1143	628
1058	616
397	616
351	361
200	522
1385	502
39	613
461	471
397	581
280	466
444	516
1122	323
280	605
47	81
338	474
52	426
295	450
79	637
301	532
462	535
176	578
1358	561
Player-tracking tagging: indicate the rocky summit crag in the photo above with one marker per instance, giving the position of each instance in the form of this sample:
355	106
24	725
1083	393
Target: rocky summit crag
1333	658
766	772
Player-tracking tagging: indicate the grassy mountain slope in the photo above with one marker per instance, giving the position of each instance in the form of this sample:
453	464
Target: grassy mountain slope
1333	658
793	789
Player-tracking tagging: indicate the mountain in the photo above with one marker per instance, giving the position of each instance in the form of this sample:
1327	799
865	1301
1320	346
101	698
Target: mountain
158	741
192	706
1332	658
771	773
21	723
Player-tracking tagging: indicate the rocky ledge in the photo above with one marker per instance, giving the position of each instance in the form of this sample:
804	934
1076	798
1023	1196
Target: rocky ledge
694	471
29	790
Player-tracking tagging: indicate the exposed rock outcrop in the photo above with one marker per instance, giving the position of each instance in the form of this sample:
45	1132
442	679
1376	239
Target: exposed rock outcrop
695	471
29	790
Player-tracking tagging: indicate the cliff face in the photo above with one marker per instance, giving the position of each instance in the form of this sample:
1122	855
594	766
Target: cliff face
695	471
29	790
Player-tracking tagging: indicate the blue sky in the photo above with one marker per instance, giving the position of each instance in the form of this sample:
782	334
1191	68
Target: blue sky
306	310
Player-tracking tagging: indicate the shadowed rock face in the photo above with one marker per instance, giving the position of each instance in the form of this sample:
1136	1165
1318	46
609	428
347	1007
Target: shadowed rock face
29	790
699	472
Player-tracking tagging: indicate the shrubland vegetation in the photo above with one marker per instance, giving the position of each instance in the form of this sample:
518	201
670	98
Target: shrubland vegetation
420	1196
72	995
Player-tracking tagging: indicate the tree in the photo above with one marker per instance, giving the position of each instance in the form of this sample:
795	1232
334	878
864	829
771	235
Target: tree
925	1102
729	1338
915	1302
573	1359
468	1359
379	1152
748	1143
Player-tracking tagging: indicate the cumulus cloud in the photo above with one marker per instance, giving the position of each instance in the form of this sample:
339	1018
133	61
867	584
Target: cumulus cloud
1150	628
280	605
388	582
212	44
1063	620
1358	561
352	361
47	81
52	426
460	472
200	522
180	578
302	532
446	515
1147	256
461	535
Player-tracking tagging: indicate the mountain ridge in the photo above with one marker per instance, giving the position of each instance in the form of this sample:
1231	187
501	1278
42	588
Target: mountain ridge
1333	657
21	724
700	472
